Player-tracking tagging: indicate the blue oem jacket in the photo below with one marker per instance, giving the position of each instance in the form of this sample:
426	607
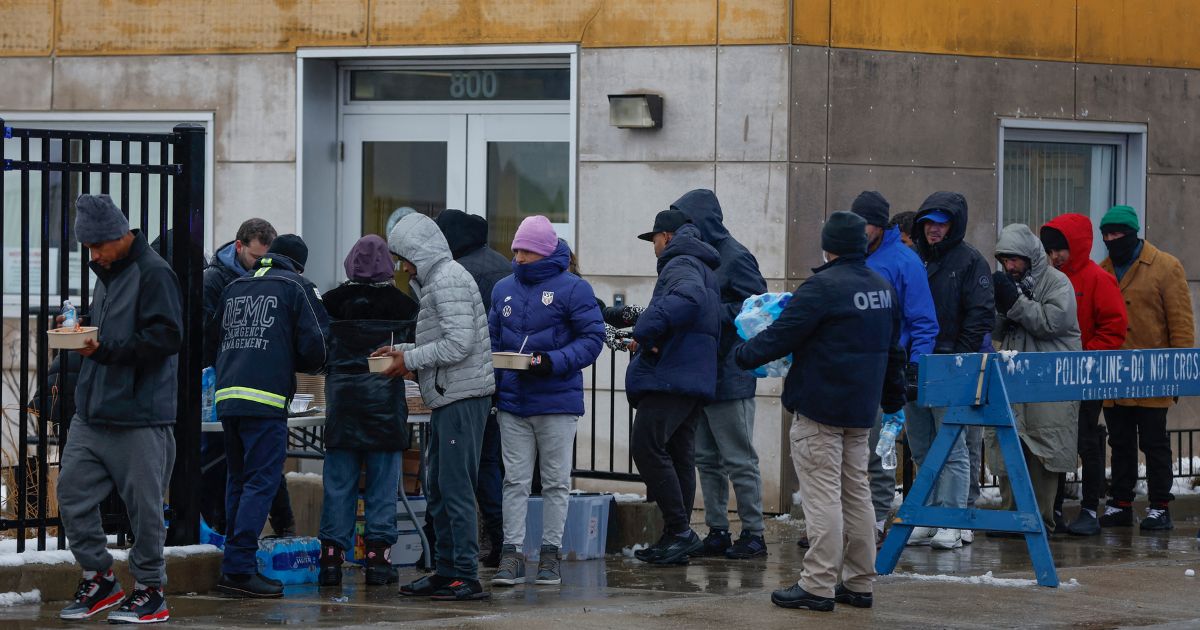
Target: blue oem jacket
902	267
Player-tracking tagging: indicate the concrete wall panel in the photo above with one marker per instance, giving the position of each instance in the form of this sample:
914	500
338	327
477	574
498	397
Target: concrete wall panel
906	188
754	200
253	96
932	110
26	27
1173	218
114	27
686	78
752	97
32	77
242	190
752	21
618	201
1135	32
1167	100
809	123
805	216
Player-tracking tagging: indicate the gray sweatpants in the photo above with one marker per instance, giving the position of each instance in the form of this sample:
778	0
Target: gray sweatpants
137	462
451	474
725	454
549	439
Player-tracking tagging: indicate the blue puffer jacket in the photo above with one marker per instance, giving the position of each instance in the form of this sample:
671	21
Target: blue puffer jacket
901	266
557	311
682	321
738	278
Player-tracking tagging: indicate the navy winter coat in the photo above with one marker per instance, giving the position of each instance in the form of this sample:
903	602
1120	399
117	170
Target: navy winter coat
682	321
738	278
558	313
842	327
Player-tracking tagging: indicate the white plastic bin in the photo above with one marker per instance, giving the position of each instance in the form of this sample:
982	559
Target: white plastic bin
586	531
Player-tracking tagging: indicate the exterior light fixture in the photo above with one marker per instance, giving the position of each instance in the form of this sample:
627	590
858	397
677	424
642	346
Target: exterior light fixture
635	111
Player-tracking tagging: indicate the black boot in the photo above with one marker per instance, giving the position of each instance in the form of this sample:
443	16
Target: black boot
332	557
494	536
254	586
379	564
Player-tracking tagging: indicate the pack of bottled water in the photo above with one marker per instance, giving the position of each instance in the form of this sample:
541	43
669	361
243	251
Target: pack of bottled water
290	560
208	395
758	312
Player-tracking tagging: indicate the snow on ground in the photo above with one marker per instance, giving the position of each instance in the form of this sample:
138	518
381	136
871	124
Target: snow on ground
987	579
303	475
622	497
628	551
10	558
20	599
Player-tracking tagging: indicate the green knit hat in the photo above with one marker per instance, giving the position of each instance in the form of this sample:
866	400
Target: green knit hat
1120	215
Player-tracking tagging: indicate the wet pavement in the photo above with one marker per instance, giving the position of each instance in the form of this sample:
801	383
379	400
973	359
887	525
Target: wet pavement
1121	579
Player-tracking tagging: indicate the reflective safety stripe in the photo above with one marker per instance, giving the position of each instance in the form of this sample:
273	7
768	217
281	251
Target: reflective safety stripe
260	272
253	395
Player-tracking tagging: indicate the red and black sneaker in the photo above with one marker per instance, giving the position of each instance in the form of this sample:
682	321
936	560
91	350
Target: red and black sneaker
144	605
95	594
460	590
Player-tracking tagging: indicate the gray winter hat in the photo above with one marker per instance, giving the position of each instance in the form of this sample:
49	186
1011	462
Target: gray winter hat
98	219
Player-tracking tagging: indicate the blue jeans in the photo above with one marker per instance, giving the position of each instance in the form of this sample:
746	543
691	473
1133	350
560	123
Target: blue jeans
922	425
341	493
255	449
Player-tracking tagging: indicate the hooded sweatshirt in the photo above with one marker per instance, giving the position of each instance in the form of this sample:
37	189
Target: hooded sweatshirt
453	353
467	236
738	278
900	266
1045	322
1101	309
960	278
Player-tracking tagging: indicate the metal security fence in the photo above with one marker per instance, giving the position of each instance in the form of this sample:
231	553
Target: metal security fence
603	452
158	180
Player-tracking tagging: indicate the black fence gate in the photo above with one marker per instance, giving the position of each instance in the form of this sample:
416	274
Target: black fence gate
158	181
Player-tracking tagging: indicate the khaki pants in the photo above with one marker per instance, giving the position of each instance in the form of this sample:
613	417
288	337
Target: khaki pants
831	465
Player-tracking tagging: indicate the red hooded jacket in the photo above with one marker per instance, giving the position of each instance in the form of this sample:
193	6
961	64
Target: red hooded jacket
1102	317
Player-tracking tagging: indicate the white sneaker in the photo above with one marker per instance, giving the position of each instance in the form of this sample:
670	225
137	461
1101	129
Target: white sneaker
967	535
946	539
921	536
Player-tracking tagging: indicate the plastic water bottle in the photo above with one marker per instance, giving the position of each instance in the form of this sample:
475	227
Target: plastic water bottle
68	313
208	388
886	449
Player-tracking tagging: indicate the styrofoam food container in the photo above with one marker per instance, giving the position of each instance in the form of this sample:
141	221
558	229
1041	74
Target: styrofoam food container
301	403
70	339
511	360
379	364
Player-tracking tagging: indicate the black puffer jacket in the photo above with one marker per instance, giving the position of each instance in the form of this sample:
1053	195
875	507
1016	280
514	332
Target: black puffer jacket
960	278
467	236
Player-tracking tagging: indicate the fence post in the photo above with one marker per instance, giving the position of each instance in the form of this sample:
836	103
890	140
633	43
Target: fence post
187	238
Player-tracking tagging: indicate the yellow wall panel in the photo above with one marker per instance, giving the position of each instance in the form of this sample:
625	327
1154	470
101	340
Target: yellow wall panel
26	27
116	27
595	23
1030	29
1139	32
752	21
810	22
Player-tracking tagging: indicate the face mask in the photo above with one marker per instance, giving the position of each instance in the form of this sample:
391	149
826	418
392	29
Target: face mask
1121	249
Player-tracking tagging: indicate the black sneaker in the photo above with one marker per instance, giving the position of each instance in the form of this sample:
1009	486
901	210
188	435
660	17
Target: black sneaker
379	565
460	590
424	586
1085	524
797	597
843	595
748	546
1060	523
1158	518
144	605
1117	516
716	543
332	557
649	552
678	550
95	594
254	586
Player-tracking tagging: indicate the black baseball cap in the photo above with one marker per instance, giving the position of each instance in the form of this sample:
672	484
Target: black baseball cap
666	221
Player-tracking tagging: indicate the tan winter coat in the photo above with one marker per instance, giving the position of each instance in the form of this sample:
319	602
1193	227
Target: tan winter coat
1160	308
1046	323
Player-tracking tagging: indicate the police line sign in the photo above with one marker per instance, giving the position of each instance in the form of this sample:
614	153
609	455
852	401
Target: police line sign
954	380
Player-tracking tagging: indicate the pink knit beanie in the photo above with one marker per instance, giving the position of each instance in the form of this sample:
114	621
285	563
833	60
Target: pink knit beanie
536	235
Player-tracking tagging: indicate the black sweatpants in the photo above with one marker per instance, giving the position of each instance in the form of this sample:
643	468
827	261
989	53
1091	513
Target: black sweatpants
1131	428
1091	453
664	449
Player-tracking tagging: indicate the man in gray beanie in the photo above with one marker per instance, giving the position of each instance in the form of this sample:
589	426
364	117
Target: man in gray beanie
122	435
843	328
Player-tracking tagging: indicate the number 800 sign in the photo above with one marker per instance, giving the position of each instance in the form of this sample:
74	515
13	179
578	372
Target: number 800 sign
473	84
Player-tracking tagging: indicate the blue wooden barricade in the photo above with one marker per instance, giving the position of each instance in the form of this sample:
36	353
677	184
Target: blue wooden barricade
978	389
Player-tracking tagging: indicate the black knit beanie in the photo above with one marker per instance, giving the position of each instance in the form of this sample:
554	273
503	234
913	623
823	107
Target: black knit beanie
844	233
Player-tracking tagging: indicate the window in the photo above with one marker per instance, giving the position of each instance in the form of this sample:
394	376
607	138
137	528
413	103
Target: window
1051	168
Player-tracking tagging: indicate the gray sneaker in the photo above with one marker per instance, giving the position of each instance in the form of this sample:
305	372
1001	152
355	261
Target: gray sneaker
548	573
512	567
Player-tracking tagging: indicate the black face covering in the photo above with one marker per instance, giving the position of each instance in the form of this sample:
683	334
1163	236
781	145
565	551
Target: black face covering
1121	249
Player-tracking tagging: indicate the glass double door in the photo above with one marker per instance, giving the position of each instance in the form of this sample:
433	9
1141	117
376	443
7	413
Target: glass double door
502	166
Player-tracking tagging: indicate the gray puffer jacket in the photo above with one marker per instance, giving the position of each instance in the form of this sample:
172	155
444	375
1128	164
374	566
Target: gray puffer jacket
453	353
1047	322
